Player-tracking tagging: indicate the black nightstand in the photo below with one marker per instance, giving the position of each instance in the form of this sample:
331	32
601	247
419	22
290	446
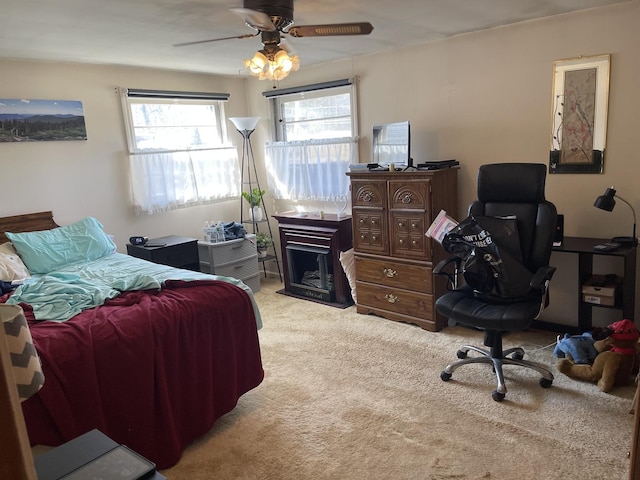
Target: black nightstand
180	252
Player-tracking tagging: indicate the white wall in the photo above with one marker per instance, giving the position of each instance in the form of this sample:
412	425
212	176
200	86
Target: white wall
79	178
480	98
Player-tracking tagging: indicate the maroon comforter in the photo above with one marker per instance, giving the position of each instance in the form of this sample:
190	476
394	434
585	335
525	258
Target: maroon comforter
152	370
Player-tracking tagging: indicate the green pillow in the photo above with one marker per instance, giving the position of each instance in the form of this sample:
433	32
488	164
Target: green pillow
46	250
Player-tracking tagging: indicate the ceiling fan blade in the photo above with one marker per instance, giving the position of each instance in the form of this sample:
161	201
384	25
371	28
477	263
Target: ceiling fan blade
359	28
249	35
255	19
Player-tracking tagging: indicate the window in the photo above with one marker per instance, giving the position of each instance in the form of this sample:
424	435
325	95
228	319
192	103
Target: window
316	141
179	155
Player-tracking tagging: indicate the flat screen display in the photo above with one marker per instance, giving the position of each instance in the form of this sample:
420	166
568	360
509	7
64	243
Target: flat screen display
391	143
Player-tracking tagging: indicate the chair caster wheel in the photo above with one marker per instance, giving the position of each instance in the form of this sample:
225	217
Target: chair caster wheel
461	354
497	396
545	382
445	376
517	356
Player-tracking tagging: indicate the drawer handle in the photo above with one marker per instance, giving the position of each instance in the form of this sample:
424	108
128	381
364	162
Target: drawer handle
389	272
361	237
374	238
373	222
401	242
400	224
391	298
413	225
413	242
361	221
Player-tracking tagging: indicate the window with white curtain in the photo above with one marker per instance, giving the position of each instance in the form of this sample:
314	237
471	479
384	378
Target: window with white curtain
316	141
179	155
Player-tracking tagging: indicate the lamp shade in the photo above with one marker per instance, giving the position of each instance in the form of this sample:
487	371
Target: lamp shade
244	123
606	201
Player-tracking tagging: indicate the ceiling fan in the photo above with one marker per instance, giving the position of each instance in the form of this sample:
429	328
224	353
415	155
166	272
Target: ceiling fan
270	18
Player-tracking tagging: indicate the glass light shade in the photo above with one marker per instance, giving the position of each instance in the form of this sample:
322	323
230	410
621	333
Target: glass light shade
244	123
257	63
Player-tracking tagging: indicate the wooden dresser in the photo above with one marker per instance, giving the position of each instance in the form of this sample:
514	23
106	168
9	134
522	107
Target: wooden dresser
394	259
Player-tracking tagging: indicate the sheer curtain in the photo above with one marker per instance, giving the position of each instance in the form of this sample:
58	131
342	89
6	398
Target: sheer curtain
164	181
310	169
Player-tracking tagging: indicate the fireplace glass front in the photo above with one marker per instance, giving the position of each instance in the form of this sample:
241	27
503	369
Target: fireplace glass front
311	271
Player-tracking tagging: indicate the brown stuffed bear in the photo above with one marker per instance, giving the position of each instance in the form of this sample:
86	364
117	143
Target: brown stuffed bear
616	359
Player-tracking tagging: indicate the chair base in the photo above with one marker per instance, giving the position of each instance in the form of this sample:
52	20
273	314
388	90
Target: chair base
496	357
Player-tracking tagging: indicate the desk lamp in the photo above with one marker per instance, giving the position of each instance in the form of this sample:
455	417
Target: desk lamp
607	202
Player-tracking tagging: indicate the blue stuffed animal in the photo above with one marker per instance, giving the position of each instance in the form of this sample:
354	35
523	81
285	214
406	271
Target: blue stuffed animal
579	347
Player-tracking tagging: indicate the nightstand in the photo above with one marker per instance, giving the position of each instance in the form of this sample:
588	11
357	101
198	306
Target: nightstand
234	258
180	252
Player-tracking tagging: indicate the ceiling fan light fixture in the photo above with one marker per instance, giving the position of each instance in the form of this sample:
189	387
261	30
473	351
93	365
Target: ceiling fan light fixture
272	66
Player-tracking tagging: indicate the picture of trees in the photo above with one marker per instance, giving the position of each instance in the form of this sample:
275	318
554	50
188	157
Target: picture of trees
23	120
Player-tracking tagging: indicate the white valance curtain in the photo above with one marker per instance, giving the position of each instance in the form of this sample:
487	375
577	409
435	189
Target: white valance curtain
310	169
164	181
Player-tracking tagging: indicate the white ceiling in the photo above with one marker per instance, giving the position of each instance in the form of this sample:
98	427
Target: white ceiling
142	32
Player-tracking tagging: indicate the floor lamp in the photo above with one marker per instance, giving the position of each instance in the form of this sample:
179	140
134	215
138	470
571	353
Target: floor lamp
246	126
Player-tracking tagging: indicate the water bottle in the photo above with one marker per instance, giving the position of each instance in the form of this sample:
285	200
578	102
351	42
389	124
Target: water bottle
206	231
219	232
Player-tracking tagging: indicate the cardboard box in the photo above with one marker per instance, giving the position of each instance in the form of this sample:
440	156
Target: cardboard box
601	290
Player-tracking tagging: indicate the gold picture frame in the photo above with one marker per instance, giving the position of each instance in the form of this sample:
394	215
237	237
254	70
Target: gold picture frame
580	97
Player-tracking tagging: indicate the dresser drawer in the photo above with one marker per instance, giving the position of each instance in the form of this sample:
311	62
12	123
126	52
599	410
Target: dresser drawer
241	269
417	278
227	252
369	193
408	194
403	302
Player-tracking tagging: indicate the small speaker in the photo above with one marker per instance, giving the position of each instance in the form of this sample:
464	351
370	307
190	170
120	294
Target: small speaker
559	235
138	240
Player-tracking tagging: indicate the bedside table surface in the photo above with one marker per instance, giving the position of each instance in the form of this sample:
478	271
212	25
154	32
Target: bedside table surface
172	250
169	240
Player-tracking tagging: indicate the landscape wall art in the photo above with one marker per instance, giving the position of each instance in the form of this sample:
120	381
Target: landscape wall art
23	120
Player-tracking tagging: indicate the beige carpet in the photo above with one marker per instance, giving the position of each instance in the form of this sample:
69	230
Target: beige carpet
349	396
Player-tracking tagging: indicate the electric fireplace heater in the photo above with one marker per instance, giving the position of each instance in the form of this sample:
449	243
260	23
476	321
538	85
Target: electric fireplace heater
311	271
311	248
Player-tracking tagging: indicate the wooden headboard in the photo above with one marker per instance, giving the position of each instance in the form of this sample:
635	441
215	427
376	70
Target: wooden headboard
29	222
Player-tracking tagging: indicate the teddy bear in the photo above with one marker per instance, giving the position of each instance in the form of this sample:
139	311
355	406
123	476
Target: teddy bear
618	348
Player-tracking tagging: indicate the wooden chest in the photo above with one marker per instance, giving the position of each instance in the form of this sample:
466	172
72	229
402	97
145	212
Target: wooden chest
394	257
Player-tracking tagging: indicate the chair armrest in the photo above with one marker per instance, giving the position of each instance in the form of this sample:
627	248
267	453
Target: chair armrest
442	264
541	278
452	276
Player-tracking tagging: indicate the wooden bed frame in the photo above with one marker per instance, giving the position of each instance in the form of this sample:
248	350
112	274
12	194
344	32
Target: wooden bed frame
29	222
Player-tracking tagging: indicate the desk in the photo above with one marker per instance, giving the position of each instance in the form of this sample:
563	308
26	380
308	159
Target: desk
584	248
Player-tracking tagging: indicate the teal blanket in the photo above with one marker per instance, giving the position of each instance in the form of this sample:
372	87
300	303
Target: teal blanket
67	291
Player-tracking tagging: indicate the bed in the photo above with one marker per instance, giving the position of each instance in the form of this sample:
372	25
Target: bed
148	354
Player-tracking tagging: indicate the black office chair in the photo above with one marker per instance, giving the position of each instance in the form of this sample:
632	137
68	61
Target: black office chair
503	190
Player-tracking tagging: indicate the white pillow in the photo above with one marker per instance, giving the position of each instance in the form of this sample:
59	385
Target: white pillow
11	265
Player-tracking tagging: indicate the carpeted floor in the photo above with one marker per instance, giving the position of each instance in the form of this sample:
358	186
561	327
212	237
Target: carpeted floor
349	396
